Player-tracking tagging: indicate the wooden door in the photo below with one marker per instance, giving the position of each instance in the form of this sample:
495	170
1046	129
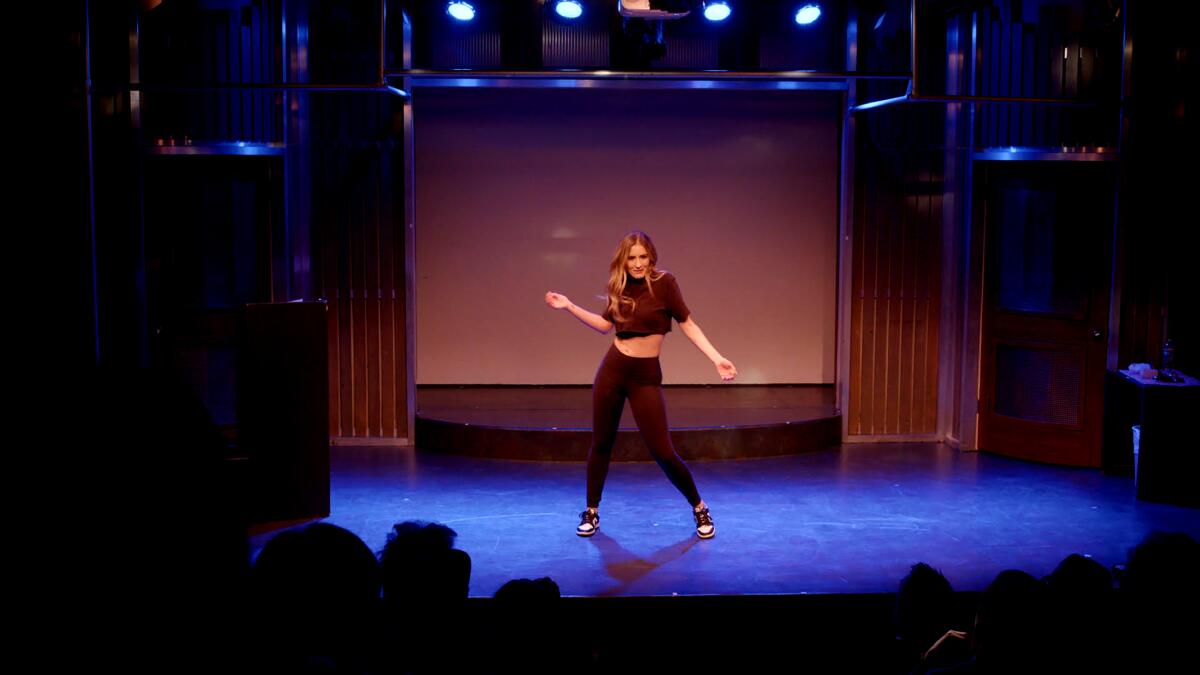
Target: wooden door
1048	266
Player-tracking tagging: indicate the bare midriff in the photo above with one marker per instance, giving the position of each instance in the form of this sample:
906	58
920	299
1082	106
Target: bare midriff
640	346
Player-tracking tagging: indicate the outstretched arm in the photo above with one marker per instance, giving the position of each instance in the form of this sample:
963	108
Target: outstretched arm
589	319
724	366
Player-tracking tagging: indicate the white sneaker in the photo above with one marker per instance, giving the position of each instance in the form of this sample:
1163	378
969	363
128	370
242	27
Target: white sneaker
704	523
589	522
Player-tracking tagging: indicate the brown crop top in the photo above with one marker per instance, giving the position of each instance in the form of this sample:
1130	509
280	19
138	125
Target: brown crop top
651	314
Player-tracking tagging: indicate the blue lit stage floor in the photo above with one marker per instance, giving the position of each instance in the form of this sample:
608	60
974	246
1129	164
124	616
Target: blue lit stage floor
846	520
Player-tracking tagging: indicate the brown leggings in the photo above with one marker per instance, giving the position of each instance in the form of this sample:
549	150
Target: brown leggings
639	380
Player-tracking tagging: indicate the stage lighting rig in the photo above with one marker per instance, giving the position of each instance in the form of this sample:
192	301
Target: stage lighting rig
460	11
568	9
717	10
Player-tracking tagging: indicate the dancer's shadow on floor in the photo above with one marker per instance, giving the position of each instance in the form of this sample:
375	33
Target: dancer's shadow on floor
626	567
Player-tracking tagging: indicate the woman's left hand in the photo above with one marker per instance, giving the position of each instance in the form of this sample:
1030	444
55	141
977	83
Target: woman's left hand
726	370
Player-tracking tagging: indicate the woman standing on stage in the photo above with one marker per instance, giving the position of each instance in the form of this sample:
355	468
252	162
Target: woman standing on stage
642	300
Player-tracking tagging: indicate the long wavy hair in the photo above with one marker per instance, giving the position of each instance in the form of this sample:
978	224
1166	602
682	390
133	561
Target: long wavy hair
618	302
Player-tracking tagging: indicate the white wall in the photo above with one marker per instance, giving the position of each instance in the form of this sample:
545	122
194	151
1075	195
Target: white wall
521	191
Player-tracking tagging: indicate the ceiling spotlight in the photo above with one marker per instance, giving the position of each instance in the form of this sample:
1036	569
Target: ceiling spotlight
808	14
463	11
717	11
569	9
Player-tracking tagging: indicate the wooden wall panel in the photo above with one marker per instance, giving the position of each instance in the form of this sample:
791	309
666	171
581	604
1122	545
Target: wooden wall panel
359	233
896	276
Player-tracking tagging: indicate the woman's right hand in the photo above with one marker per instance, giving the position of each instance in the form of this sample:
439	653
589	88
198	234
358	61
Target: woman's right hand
557	300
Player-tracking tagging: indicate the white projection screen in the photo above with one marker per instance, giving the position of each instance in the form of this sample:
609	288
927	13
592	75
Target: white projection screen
525	190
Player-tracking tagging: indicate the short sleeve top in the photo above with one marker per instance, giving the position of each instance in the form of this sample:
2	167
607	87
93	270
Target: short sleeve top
651	314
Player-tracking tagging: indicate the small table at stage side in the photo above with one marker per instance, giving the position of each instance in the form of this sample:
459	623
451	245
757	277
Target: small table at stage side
1169	447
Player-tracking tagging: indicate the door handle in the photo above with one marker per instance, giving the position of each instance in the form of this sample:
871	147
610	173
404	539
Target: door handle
1096	334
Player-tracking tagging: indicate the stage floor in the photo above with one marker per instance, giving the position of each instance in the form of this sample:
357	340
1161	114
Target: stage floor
846	520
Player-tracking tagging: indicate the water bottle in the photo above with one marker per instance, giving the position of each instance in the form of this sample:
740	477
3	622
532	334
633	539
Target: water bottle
1137	442
1168	355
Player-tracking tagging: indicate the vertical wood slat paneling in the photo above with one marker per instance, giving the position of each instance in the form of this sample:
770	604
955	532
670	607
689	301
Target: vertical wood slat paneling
906	372
896	283
898	289
345	290
885	212
870	293
882	273
383	246
358	264
399	299
857	272
885	263
358	336
930	294
326	238
373	302
369	219
479	48
899	216
576	44
919	379
691	51
362	260
866	347
885	260
894	292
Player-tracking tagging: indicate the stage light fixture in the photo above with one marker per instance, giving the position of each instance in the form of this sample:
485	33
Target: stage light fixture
717	11
463	11
808	14
569	9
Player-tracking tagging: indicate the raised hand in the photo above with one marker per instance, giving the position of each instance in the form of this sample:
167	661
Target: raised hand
557	300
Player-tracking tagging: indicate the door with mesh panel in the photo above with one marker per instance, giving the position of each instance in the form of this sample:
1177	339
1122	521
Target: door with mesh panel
1048	232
